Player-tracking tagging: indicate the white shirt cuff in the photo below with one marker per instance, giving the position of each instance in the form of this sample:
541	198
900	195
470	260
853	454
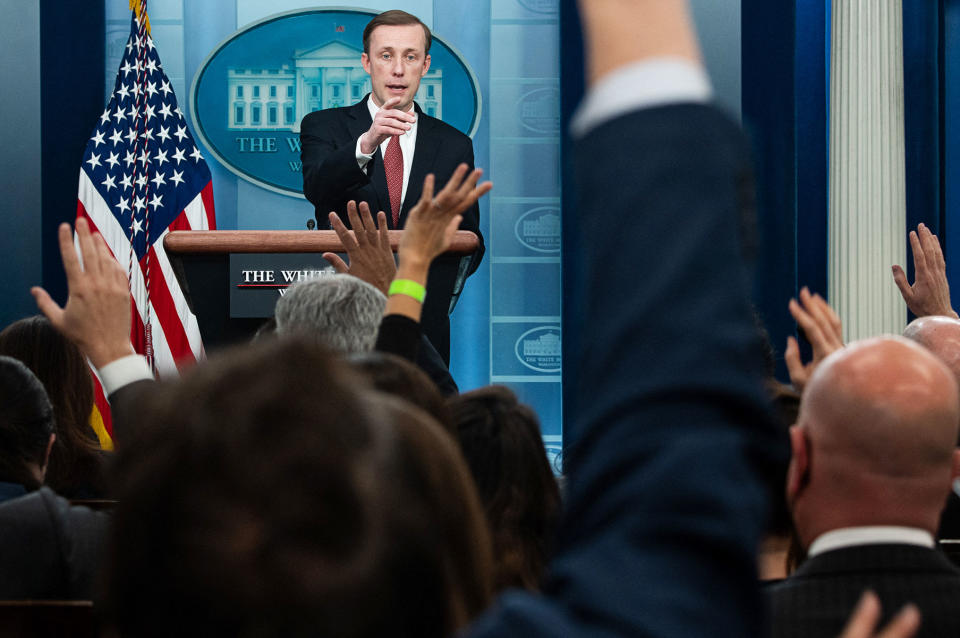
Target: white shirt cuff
362	158
641	85
123	371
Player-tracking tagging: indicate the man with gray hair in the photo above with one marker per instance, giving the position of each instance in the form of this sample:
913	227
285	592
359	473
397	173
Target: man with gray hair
339	311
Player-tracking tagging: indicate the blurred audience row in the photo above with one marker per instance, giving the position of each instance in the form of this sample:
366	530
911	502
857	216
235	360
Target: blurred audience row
329	478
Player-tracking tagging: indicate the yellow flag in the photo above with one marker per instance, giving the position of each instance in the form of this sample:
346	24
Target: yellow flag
137	5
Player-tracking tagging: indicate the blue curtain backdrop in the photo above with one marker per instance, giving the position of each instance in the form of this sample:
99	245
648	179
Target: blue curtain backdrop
785	101
951	141
923	78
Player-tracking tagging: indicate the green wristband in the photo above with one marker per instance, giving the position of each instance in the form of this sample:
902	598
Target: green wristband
409	288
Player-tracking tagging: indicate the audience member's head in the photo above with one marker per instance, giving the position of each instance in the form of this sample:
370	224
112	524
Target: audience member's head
267	330
339	311
76	460
781	552
874	444
502	442
395	375
786	405
26	425
272	492
941	336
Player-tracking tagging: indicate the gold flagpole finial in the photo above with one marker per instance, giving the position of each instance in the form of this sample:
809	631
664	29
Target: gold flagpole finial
138	6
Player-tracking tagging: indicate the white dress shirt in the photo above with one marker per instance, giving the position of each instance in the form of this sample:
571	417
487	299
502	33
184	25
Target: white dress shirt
408	142
870	535
645	84
120	372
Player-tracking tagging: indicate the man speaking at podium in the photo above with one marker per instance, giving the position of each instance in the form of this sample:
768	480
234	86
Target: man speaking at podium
380	149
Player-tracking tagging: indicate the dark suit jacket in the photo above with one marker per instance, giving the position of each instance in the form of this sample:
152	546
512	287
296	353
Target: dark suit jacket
950	518
331	178
49	549
669	441
817	599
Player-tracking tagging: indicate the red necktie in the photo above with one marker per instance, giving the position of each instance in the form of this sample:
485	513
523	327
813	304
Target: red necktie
393	165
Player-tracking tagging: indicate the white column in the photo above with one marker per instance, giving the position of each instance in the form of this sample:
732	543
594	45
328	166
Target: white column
867	190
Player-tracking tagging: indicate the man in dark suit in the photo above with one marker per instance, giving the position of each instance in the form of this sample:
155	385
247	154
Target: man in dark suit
49	549
379	150
940	334
873	460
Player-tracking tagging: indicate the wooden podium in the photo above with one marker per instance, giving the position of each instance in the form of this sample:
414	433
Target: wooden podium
225	274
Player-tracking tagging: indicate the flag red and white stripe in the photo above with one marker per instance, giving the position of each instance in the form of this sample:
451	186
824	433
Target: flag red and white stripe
142	176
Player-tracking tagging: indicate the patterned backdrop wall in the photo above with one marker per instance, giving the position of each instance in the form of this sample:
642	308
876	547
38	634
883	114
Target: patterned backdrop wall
506	328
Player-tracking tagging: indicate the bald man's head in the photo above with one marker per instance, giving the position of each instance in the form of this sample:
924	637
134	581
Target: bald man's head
877	427
939	335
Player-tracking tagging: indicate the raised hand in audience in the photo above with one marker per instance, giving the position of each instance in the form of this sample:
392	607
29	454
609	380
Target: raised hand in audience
368	246
429	231
864	620
823	329
97	314
930	292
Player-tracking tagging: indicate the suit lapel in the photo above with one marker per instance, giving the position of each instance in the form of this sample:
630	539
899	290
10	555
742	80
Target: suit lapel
359	124
424	155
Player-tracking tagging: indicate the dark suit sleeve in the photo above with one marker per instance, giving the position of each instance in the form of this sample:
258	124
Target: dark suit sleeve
668	437
124	405
401	335
471	216
330	169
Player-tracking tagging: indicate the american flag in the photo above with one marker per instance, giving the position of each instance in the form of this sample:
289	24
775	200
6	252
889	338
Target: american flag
142	176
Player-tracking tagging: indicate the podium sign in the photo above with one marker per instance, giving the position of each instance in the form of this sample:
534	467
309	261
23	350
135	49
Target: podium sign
232	278
258	280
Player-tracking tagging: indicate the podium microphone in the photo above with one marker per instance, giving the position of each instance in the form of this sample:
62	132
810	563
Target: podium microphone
311	224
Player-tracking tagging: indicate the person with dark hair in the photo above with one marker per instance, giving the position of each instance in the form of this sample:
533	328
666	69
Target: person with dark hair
48	548
366	152
395	18
76	461
27	428
395	375
500	438
249	502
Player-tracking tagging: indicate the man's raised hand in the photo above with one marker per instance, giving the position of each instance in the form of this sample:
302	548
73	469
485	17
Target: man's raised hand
863	621
433	221
930	292
368	247
96	316
824	332
388	121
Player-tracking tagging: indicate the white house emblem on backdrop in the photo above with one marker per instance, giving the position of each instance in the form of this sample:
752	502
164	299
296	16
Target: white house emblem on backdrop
540	349
539	229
